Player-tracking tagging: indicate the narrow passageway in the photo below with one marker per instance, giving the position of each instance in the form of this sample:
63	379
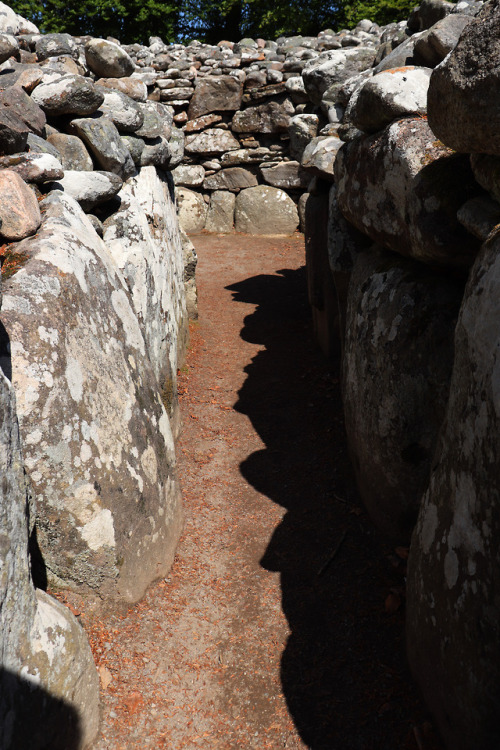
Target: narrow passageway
281	623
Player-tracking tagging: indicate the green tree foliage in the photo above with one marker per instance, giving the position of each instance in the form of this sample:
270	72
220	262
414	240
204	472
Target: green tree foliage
207	20
126	20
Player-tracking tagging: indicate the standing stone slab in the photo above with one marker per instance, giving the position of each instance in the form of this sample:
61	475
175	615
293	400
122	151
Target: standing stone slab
396	374
265	210
453	610
143	238
215	94
49	689
98	444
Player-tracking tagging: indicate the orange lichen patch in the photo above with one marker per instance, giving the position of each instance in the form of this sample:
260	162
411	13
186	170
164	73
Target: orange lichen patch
404	69
11	261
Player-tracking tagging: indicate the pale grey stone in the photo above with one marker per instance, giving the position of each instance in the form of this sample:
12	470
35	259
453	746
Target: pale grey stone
211	141
188	175
89	188
301	129
220	216
192	210
98	445
319	156
265	210
126	114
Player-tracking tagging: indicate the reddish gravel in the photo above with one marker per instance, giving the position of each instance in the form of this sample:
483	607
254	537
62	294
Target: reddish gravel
281	622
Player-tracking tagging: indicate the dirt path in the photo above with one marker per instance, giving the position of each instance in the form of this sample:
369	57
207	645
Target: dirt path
281	623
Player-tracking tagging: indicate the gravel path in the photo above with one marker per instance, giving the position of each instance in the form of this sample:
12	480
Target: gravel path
281	623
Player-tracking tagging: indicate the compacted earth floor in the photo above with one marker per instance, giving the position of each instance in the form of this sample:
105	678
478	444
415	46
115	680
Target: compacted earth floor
281	623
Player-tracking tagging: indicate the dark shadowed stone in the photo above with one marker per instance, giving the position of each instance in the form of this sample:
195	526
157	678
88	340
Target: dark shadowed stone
396	373
486	170
320	286
39	145
70	95
53	45
403	189
135	146
435	43
13	132
107	59
453	592
73	154
102	138
460	108
18	102
156	152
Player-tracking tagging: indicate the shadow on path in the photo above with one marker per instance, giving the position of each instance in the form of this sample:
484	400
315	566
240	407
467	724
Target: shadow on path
343	669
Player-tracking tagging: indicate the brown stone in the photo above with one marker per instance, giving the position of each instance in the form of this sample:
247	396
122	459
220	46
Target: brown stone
19	212
215	94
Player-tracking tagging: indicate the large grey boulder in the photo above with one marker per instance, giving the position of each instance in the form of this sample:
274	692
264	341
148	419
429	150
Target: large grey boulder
453	610
102	139
126	113
403	189
69	95
49	688
265	210
98	444
434	44
389	96
396	373
54	45
107	59
460	108
89	188
215	94
333	68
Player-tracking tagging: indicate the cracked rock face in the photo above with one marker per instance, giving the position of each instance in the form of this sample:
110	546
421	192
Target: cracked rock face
98	444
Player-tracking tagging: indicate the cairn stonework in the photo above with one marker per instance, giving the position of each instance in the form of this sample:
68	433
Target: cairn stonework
381	144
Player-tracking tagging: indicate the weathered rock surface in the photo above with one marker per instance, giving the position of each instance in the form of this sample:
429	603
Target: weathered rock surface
390	96
70	95
33	167
220	216
211	141
49	689
403	189
192	210
272	117
396	374
287	175
103	140
89	188
72	152
319	156
19	212
233	178
265	210
215	94
333	68
98	443
453	575
459	108
107	59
